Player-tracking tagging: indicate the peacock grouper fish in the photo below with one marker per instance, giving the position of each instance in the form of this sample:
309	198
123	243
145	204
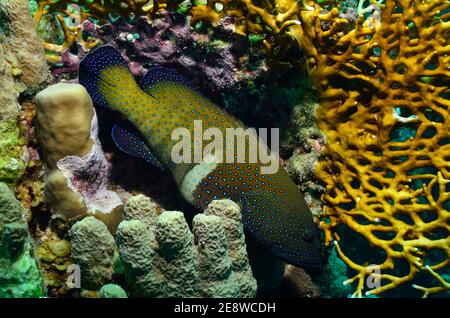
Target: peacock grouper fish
274	211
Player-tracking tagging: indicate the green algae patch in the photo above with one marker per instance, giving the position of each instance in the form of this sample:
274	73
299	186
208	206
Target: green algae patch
19	274
22	279
12	165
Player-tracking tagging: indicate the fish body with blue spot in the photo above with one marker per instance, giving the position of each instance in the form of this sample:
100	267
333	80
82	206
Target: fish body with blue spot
274	211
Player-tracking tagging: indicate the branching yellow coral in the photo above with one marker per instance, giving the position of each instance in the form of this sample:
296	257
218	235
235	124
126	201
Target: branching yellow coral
265	16
79	11
269	17
444	285
384	91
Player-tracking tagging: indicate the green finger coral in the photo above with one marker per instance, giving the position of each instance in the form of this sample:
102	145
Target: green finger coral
19	273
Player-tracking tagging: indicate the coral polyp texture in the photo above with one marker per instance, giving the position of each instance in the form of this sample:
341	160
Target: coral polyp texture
22	47
384	101
249	17
159	256
163	258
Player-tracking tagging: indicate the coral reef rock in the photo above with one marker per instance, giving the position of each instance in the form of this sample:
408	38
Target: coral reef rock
296	283
19	274
53	255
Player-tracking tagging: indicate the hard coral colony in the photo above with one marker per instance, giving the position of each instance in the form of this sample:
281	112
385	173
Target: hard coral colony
360	90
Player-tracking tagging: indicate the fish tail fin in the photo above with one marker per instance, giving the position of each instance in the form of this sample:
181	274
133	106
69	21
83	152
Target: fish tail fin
105	75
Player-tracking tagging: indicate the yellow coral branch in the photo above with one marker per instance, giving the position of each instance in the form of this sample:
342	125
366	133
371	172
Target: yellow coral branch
444	285
379	183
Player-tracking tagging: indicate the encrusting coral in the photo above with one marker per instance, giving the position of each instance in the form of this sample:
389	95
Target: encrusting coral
22	67
384	97
19	273
8	94
167	260
12	165
77	171
22	47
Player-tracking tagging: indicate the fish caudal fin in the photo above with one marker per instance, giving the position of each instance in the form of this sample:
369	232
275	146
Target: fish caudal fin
105	75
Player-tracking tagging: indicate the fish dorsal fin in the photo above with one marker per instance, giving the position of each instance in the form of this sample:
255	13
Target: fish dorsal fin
149	83
91	68
129	140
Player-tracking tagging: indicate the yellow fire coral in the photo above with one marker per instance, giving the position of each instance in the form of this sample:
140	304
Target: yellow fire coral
384	102
79	11
250	17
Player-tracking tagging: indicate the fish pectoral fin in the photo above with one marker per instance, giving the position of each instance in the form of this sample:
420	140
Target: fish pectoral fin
149	82
130	141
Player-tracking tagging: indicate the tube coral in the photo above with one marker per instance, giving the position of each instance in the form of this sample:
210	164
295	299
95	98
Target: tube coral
93	250
382	77
162	258
77	172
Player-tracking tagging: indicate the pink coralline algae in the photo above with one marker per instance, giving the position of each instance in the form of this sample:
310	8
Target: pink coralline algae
89	176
